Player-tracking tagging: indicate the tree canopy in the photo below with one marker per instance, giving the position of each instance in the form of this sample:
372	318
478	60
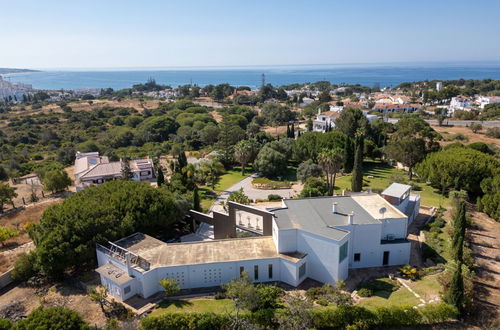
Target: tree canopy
67	232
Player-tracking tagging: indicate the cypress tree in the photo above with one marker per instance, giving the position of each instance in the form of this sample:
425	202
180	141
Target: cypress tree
196	199
455	293
287	130
292	131
160	180
459	224
357	171
182	159
348	155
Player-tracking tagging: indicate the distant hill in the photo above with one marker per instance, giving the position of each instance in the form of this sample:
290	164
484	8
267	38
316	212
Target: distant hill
9	70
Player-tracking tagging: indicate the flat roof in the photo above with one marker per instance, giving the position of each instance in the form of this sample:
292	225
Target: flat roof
396	190
160	254
114	273
315	215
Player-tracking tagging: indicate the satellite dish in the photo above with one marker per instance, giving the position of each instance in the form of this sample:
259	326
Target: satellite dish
382	211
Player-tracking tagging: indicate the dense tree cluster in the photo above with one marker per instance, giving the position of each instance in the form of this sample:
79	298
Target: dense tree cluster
67	232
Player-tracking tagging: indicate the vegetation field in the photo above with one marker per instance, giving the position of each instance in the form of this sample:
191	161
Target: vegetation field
378	176
194	305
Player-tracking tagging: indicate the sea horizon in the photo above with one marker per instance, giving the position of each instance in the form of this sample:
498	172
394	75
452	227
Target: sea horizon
367	74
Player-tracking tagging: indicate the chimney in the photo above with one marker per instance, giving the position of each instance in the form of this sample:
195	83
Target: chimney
334	207
350	218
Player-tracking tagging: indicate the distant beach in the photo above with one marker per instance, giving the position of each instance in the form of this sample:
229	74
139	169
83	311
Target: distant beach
385	75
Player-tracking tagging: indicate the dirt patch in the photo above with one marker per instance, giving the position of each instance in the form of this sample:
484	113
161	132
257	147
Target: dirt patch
447	131
28	298
95	104
31	214
485	244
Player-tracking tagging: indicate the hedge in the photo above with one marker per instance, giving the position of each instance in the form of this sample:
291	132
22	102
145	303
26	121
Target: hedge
326	318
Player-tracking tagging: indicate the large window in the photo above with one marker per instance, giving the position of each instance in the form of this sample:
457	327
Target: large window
302	270
343	251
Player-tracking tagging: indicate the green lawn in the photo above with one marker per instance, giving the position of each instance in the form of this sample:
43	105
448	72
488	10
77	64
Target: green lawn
230	178
427	287
194	305
401	297
383	175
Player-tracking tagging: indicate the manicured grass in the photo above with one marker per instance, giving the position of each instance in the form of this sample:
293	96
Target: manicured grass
401	297
230	178
427	287
383	176
194	305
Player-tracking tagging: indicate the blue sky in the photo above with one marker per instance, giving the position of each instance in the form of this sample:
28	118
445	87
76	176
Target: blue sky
113	34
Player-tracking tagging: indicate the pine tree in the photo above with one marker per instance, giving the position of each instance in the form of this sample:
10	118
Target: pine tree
196	199
160	177
348	155
455	292
357	172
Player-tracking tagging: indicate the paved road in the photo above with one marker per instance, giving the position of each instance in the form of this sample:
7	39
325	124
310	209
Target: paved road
492	123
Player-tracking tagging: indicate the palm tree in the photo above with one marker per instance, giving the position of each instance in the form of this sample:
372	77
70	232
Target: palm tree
331	161
245	151
213	169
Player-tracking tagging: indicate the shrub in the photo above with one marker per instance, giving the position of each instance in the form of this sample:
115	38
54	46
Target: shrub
436	313
409	272
322	301
174	321
5	324
24	267
274	197
265	183
365	292
397	316
52	318
493	132
220	295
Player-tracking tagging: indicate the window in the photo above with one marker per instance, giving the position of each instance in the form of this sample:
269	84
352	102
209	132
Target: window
270	271
242	269
343	252
126	289
302	270
357	256
256	272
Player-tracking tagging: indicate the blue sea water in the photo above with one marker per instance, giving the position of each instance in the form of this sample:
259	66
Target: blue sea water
367	75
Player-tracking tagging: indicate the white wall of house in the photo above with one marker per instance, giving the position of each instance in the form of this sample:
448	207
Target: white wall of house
394	226
399	253
323	256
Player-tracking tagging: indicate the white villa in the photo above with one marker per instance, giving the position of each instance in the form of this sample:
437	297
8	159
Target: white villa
325	120
459	103
93	169
319	238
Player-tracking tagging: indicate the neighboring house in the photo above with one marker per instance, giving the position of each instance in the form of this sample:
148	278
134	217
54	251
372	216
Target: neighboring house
485	100
325	120
391	107
93	169
459	103
439	86
319	238
400	196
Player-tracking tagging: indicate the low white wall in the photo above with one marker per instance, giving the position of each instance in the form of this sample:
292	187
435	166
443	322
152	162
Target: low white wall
6	278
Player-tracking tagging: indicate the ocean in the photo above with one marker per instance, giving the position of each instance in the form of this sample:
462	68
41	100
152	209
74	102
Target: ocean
367	75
